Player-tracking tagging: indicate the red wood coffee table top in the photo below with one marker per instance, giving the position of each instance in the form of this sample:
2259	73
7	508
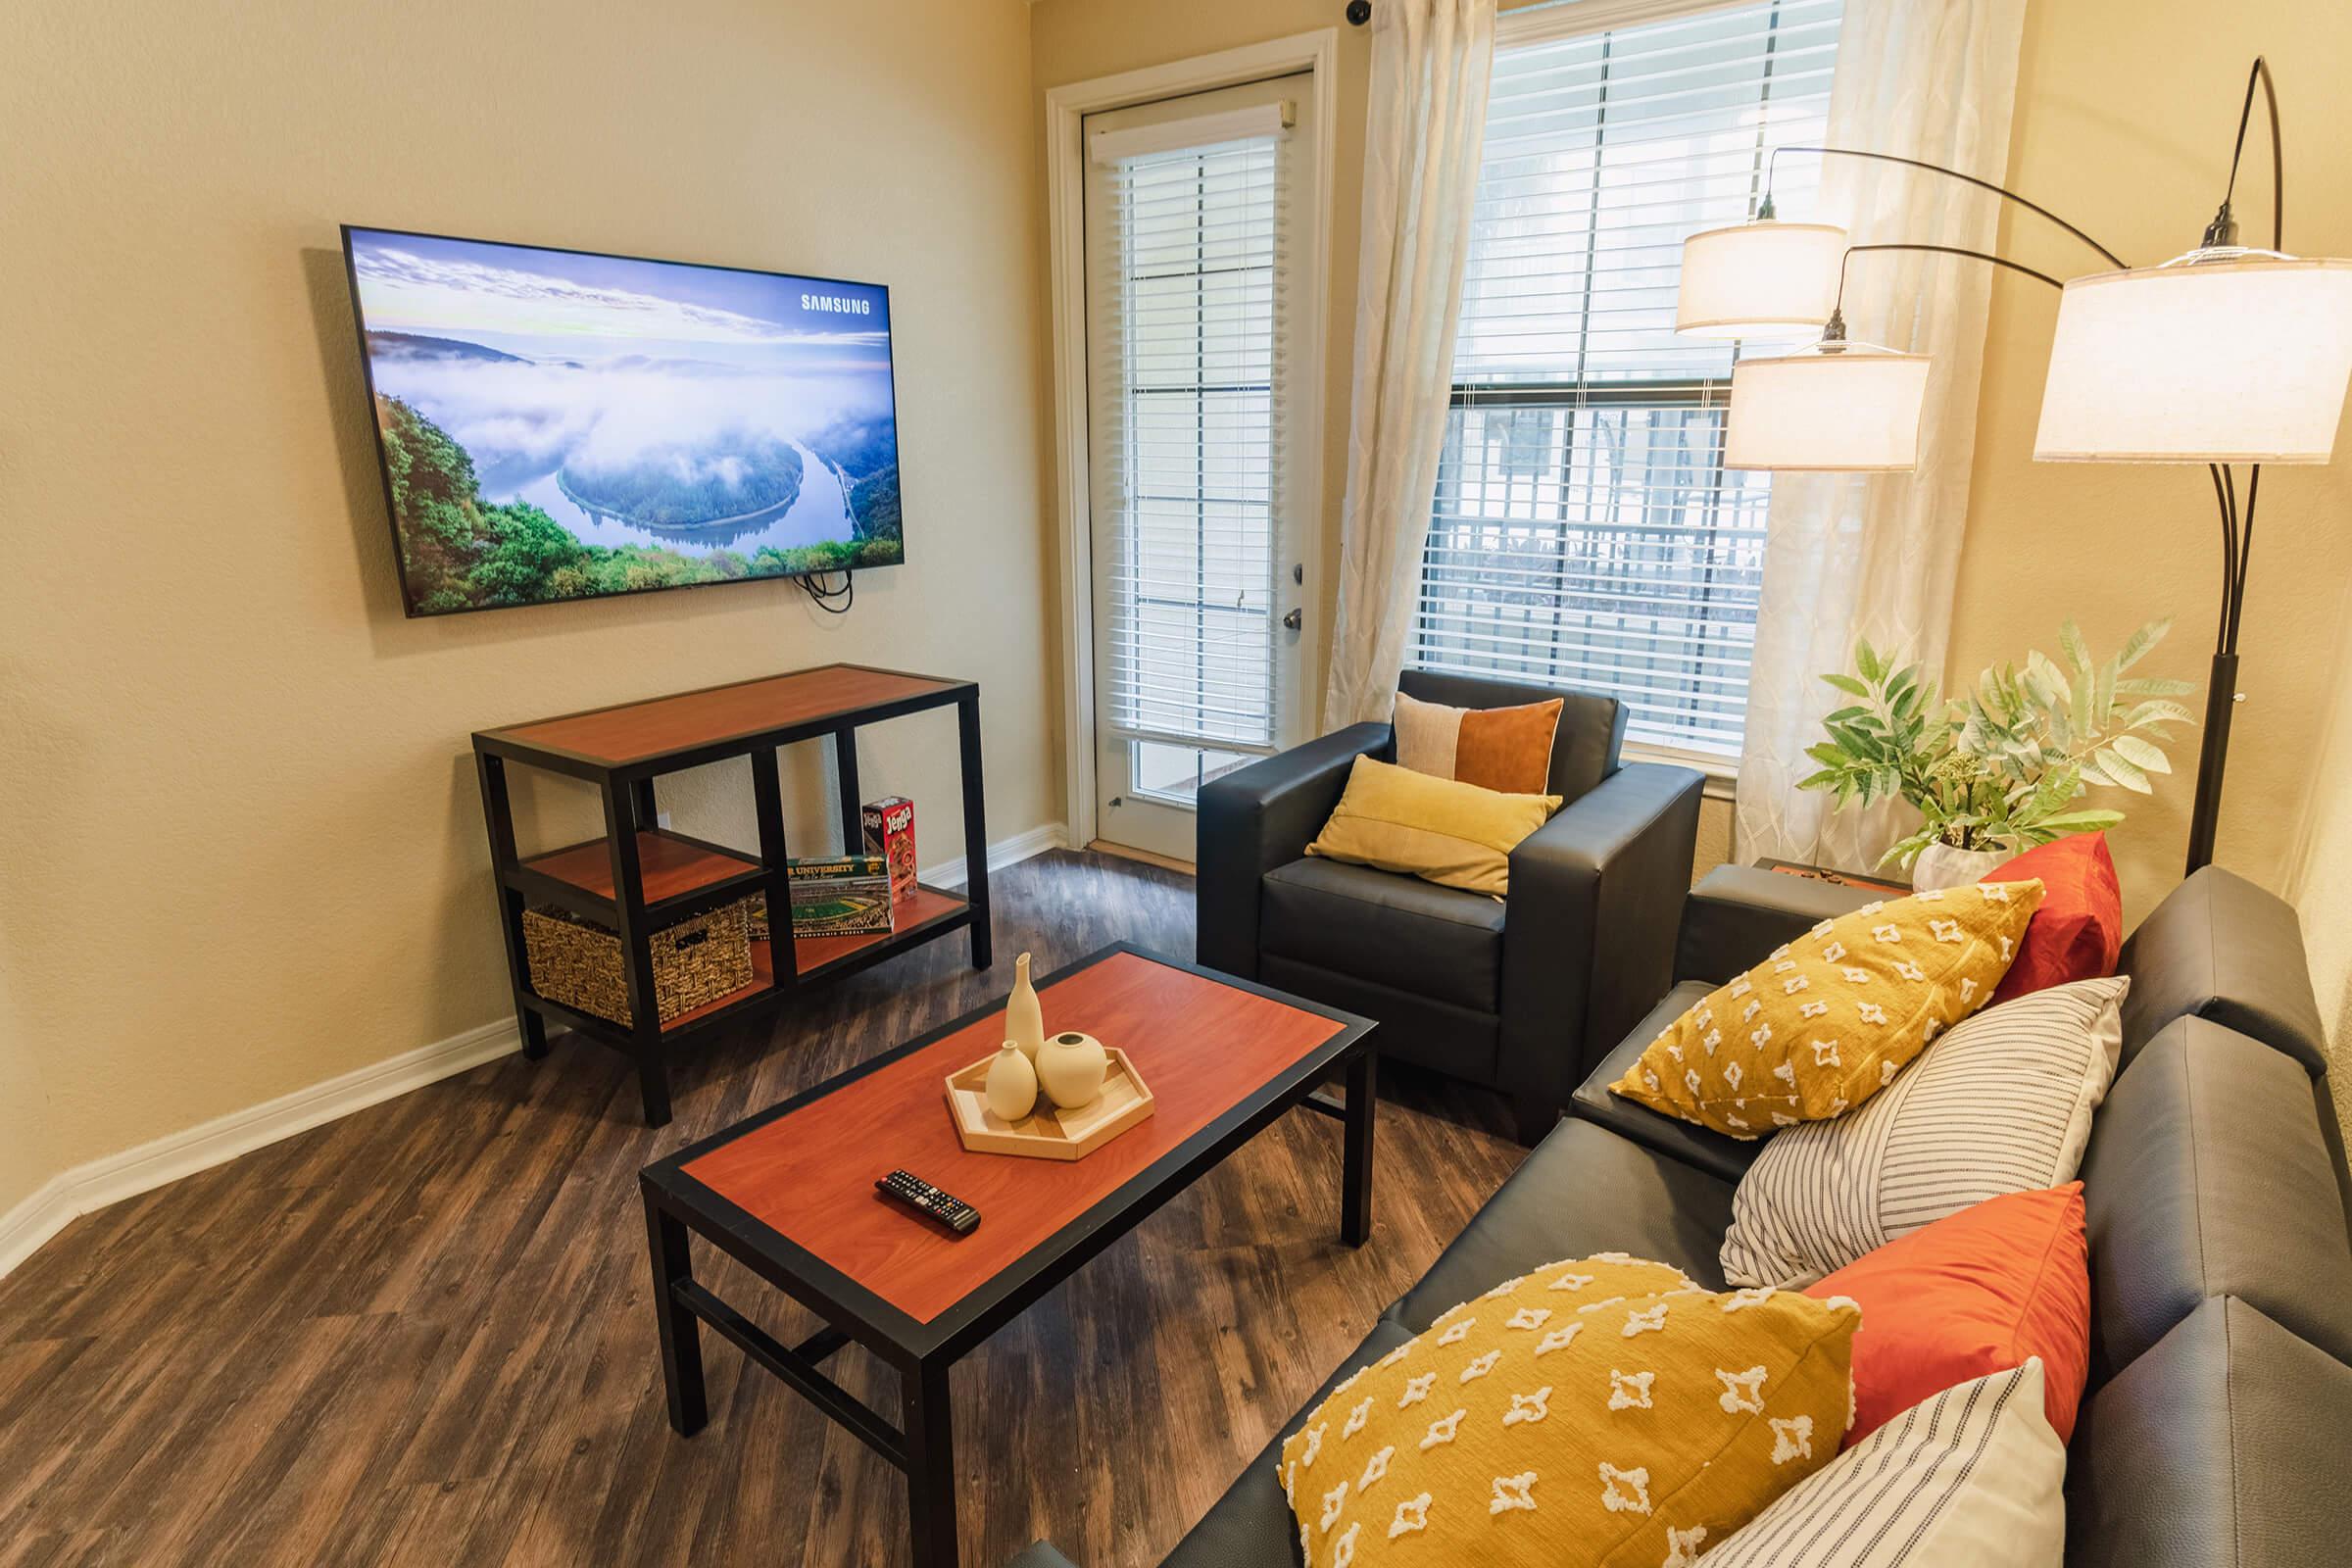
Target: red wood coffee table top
808	1174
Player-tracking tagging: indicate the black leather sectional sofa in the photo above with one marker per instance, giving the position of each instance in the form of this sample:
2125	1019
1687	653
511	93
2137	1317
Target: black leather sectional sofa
2216	1428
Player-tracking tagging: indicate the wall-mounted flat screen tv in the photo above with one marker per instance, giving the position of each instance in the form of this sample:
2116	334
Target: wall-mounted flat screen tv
556	424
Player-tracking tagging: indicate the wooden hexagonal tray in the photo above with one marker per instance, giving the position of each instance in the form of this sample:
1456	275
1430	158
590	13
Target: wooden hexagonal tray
1048	1133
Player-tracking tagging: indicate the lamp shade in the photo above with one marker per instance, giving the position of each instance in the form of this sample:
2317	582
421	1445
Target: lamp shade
1833	407
2240	358
1762	280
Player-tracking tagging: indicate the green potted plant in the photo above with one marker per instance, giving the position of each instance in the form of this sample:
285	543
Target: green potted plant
1999	770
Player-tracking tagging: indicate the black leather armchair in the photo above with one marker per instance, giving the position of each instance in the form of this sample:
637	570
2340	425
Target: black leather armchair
1523	995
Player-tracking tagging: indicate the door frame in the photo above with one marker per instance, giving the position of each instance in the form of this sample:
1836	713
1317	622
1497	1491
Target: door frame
1066	107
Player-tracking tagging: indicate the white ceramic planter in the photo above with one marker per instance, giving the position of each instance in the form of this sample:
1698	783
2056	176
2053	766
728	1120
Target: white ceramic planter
1940	866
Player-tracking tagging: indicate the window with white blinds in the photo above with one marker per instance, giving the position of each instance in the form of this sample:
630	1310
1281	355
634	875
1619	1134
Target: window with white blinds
1187	389
1585	530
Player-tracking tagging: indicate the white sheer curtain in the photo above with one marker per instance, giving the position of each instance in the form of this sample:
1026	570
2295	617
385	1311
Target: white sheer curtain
1425	126
1873	556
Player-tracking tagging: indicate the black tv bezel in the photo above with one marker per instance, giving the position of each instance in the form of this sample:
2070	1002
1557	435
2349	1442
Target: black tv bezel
383	468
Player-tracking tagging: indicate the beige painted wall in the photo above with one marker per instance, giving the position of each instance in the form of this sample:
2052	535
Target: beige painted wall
2126	131
2125	113
2323	880
248	853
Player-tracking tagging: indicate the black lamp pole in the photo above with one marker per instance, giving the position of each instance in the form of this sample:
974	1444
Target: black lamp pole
2222	694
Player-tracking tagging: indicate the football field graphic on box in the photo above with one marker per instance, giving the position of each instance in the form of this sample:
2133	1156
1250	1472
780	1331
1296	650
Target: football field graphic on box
560	425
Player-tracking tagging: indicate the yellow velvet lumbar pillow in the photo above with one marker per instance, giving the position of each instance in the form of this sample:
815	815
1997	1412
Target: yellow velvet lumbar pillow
1829	1019
1600	1410
1454	834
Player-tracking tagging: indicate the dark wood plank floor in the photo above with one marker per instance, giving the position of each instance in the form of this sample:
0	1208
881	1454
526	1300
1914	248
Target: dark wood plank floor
420	1335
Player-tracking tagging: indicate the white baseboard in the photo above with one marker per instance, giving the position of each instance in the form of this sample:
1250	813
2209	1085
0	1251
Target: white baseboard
114	1177
110	1179
1002	854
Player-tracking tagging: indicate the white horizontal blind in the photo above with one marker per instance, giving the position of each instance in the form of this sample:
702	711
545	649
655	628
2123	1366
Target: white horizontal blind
1585	531
1187	389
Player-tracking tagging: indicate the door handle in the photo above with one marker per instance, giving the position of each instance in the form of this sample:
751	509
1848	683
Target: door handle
1295	620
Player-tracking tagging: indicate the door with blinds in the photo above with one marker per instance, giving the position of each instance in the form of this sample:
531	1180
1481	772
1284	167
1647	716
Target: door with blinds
1196	305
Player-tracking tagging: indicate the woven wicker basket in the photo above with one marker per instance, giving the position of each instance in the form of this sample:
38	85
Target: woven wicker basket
695	962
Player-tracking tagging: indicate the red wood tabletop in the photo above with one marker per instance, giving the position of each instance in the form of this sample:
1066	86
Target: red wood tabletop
1200	1045
635	730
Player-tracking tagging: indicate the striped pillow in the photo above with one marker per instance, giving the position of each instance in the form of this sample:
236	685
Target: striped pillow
1973	1476
2000	1104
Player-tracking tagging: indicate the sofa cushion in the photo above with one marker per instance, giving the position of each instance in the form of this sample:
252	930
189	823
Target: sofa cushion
1970	1478
1584	746
1582	1190
2224	1444
1687	1142
2003	1104
1825	1021
2207	1176
2079	931
1974	1294
1507	749
1386	928
2223	949
1479	1442
1250	1525
1455	835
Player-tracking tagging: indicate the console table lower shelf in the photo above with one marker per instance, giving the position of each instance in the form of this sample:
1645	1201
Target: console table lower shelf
788	1192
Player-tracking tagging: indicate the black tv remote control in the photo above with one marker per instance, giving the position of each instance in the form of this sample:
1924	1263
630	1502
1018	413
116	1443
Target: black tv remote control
921	1197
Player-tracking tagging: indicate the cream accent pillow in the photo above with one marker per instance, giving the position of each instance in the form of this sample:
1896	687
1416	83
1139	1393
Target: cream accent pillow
1828	1020
2001	1104
1972	1477
1455	835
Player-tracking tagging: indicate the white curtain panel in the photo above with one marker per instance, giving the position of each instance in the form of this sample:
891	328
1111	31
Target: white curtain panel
1874	555
1425	126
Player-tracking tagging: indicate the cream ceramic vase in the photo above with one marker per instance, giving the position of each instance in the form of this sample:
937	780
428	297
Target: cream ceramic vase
1070	1068
1024	1024
1940	866
1012	1084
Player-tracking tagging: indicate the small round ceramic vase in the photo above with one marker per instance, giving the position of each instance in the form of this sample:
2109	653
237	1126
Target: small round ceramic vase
1024	1024
1940	866
1012	1084
1070	1068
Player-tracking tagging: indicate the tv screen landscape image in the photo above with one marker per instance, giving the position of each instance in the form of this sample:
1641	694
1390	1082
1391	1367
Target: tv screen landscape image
555	425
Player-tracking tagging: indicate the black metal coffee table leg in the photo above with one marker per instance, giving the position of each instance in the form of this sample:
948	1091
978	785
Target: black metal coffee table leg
930	1434
1355	1169
681	1333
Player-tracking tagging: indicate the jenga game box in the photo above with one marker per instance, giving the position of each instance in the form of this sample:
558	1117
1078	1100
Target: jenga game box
890	833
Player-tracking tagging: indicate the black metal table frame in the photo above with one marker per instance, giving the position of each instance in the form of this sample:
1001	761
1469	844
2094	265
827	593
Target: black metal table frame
630	807
678	1207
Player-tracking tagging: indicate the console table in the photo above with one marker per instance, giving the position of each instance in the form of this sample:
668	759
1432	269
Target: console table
641	877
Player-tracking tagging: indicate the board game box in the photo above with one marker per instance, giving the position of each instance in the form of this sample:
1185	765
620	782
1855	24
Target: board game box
835	896
890	834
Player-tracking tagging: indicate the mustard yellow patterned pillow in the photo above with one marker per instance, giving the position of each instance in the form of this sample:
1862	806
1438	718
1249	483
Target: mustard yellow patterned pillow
1828	1020
1597	1411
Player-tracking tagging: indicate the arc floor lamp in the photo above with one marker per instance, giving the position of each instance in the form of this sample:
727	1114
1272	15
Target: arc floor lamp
2224	355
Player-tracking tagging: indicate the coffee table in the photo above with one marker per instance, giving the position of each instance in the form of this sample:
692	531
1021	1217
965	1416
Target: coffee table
788	1192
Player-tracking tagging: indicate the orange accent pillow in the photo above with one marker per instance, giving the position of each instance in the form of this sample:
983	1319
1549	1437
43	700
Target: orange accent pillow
1973	1294
1505	748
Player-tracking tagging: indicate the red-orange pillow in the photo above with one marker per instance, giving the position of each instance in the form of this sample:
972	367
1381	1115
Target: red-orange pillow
1973	1294
2077	932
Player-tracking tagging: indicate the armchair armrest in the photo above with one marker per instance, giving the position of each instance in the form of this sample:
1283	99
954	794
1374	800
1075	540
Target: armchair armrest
1588	938
1263	816
1740	914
